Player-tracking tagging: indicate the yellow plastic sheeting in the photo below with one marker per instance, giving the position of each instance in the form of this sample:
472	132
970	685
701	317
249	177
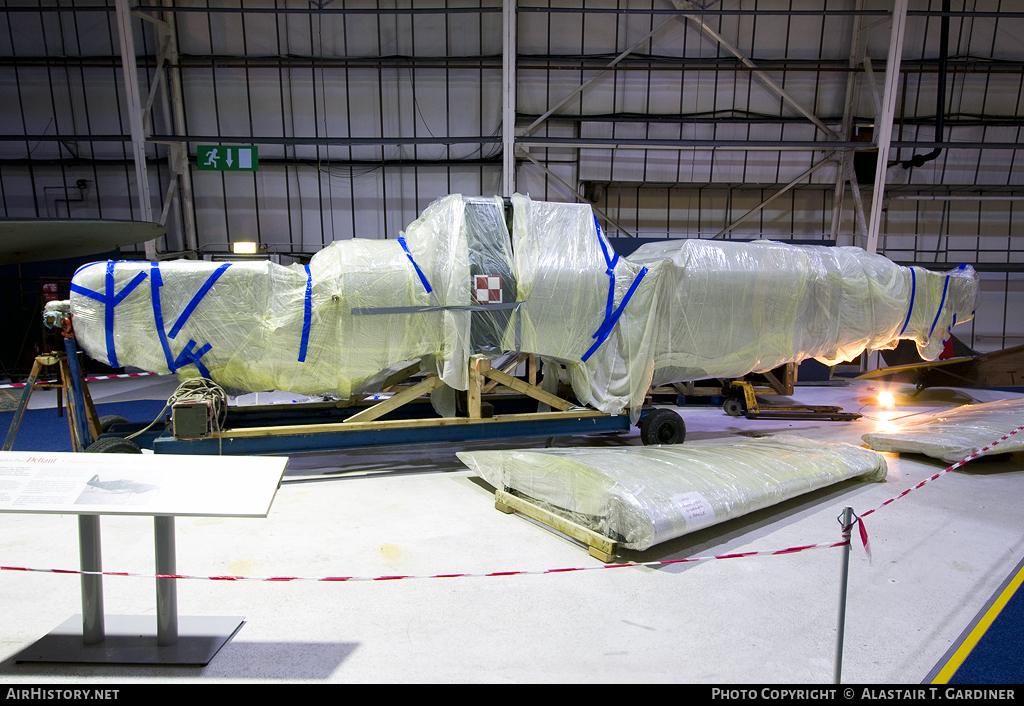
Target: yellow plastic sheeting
457	283
584	306
957	433
271	327
642	496
726	307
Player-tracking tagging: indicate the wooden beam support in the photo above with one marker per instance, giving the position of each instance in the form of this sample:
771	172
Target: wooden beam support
400	376
601	548
395	401
528	389
478	365
774	383
507	369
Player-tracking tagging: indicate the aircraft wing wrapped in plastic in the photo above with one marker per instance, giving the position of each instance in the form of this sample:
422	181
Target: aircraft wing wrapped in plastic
457	283
642	496
956	434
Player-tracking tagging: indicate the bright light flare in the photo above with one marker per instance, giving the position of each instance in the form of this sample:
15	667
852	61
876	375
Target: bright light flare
244	248
886	400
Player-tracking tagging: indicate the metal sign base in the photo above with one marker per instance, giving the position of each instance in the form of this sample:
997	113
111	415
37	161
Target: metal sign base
132	639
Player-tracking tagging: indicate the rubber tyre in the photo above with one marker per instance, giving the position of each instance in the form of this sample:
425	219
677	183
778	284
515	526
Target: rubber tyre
733	407
662	426
110	420
113	445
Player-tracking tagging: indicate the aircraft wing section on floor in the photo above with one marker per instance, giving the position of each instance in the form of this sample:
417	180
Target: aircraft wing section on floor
1001	369
952	372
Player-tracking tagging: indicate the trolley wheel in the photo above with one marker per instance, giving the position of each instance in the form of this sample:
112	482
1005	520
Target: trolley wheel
662	426
733	407
113	445
110	420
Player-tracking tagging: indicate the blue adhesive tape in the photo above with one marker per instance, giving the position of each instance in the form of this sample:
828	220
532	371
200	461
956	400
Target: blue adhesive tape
156	282
610	271
110	299
606	328
198	297
423	278
188	355
913	290
307	315
945	288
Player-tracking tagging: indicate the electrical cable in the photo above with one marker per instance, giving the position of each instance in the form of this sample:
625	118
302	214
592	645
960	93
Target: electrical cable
197	391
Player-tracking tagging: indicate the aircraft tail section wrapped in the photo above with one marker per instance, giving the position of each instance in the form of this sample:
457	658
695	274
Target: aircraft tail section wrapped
727	308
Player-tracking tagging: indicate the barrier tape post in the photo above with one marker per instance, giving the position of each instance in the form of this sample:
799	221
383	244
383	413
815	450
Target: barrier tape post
847	523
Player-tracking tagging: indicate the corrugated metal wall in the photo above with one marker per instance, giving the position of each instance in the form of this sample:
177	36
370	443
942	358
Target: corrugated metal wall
366	110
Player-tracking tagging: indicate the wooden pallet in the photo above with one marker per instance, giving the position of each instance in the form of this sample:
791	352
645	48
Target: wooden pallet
601	548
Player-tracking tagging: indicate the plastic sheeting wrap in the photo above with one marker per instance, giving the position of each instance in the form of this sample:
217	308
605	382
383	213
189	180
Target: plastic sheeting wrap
731	308
456	283
329	327
642	496
691	309
584	306
957	433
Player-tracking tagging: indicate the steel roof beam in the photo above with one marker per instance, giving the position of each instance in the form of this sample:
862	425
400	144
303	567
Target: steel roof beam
589	82
131	87
581	197
765	79
757	209
883	123
508	98
844	161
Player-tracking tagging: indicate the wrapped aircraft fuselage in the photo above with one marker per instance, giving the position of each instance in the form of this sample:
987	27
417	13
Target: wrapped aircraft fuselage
457	283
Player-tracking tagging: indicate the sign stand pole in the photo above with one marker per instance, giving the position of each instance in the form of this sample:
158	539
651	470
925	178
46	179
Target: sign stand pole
92	584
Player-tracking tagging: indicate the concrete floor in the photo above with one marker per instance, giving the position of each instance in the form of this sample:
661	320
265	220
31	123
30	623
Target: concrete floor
938	555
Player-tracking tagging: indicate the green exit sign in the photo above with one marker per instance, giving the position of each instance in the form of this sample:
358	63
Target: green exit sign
227	159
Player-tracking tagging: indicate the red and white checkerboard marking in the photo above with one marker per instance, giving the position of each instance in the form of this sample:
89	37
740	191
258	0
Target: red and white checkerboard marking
487	289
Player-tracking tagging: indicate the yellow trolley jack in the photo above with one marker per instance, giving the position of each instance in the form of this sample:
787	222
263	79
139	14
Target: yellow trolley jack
743	403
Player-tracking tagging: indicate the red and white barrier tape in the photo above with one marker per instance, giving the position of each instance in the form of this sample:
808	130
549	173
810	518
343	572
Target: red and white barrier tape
790	550
955	466
860	518
737	555
89	379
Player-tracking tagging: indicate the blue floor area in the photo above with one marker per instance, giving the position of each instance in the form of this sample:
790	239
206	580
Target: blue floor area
998	653
998	658
43	430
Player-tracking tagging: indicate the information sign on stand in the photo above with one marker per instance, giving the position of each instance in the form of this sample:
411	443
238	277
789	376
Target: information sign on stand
90	485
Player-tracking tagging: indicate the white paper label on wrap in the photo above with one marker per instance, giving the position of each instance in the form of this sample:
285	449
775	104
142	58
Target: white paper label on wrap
695	509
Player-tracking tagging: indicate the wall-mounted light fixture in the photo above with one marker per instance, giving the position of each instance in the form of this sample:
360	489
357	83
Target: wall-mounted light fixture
243	248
